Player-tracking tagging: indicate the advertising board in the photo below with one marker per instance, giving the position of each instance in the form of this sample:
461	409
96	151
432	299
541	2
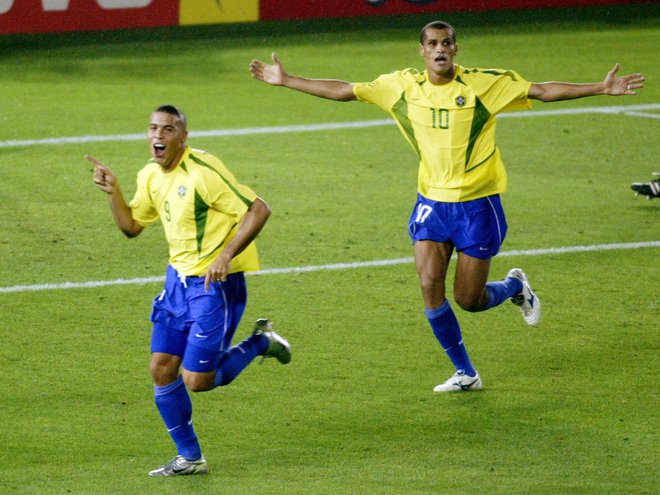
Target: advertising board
45	16
305	9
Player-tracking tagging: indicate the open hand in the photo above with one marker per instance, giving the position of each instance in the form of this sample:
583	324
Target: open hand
622	85
271	74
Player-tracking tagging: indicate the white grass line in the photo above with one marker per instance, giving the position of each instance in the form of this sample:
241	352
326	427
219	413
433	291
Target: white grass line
585	110
333	266
642	114
632	110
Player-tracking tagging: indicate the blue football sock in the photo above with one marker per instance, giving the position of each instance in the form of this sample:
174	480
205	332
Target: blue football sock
237	358
498	292
448	332
175	407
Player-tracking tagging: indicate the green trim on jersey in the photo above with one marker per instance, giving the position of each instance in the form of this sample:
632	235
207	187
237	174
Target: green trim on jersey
494	72
479	120
202	163
400	112
201	213
485	160
451	126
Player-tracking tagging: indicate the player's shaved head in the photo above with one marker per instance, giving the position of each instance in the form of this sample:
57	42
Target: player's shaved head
172	110
437	25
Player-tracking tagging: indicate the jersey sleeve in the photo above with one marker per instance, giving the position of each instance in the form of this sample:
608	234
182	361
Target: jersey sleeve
384	91
505	91
222	192
233	200
142	207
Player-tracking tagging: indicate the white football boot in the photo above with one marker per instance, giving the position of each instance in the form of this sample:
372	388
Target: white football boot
529	304
460	382
180	466
278	347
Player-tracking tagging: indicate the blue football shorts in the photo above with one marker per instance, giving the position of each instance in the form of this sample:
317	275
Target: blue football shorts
476	228
194	324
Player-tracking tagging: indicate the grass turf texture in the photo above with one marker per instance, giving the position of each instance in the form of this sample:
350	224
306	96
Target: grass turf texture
569	407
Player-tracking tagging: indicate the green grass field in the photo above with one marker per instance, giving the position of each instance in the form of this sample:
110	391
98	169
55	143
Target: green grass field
568	408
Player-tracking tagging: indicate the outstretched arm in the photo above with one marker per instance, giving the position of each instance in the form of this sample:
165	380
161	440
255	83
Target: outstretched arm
612	85
106	181
275	74
248	229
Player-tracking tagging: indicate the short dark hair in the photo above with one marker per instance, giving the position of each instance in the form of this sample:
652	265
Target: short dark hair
437	25
172	110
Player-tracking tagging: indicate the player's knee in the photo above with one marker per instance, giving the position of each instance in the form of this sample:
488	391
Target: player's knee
198	382
431	285
198	387
162	376
163	372
468	302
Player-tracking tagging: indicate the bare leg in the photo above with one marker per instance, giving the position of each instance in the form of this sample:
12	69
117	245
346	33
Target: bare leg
432	259
470	282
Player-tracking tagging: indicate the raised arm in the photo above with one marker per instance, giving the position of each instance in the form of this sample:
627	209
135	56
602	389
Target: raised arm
106	181
248	229
274	74
612	85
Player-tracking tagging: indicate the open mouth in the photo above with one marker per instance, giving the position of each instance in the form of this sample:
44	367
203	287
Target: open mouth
440	59
159	150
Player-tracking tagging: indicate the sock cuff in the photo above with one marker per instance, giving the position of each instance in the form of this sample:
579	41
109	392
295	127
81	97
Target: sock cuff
169	388
437	312
517	283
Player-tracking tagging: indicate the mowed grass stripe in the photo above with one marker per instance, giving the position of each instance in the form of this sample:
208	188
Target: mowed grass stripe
332	266
630	110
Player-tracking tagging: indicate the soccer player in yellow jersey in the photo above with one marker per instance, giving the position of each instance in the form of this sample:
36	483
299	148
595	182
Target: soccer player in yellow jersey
210	222
447	114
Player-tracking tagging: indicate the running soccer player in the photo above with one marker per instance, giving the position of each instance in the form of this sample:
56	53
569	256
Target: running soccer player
210	222
447	114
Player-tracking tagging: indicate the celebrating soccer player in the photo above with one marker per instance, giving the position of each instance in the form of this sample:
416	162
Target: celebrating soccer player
210	222
447	114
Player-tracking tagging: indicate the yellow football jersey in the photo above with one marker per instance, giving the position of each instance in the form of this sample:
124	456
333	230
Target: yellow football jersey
451	126
200	204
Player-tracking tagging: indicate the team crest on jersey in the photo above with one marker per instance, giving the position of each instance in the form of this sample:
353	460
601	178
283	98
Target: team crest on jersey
182	191
460	101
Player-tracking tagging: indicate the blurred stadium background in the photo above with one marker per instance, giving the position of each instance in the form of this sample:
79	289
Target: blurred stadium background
568	408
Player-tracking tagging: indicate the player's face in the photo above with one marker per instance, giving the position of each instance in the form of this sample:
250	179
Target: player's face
438	52
167	139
